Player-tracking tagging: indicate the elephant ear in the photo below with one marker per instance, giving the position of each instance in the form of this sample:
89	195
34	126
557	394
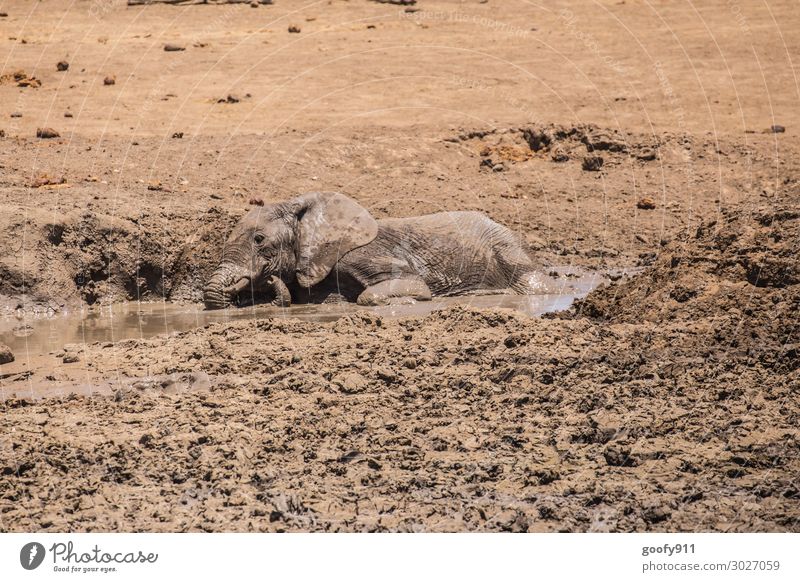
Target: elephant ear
329	226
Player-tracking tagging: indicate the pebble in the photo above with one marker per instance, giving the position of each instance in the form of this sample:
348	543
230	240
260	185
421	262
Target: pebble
646	203
62	66
110	80
6	356
171	48
47	133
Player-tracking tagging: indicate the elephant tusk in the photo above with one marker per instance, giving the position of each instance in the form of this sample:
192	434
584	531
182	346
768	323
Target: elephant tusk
237	287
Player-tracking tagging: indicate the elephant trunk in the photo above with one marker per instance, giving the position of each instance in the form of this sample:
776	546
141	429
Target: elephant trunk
224	285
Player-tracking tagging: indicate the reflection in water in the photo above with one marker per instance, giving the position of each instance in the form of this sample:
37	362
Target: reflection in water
142	320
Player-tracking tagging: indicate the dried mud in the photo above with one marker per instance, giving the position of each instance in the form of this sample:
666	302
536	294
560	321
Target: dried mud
663	402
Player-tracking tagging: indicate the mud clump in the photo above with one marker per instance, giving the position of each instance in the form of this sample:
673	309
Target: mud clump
736	280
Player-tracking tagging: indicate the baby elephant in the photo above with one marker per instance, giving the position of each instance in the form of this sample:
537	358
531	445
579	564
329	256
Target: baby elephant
324	244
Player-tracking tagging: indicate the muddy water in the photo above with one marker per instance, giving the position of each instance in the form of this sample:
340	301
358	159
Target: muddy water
30	336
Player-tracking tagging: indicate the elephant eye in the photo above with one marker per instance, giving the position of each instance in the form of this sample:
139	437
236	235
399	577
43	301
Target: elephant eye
259	238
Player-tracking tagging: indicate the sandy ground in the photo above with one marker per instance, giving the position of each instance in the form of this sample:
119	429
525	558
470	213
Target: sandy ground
666	402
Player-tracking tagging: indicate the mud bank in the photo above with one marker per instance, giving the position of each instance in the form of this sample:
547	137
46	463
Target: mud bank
465	419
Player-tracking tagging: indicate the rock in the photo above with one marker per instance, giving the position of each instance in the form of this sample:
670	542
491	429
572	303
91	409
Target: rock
294	29
62	66
47	133
110	80
177	135
776	129
6	356
171	48
229	99
70	358
646	203
68	114
592	163
498	168
16	114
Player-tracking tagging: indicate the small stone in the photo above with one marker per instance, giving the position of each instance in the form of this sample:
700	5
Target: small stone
171	48
16	114
777	129
498	168
110	80
70	358
177	135
62	66
294	29
646	203
592	163
67	114
410	363
47	133
6	356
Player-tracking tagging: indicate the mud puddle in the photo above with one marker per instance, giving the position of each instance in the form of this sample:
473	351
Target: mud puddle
37	335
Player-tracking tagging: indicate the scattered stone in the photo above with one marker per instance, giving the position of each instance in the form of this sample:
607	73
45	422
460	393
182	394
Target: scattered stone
110	80
646	203
256	202
47	133
6	356
229	99
171	48
498	168
294	29
776	129
67	114
21	79
177	135
16	114
70	358
62	66
155	186
592	163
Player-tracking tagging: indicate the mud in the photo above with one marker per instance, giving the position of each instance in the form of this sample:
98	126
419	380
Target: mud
666	401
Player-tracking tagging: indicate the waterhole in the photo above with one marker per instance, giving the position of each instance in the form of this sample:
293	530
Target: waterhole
44	334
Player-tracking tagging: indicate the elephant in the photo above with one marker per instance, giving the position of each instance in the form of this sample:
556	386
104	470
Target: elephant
325	244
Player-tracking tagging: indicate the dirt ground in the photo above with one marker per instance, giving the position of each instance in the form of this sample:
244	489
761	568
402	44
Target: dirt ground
607	134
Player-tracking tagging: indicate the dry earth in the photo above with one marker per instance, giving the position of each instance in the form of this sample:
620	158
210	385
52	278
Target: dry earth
665	402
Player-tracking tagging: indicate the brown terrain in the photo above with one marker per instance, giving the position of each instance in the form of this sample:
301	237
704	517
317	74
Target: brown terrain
660	136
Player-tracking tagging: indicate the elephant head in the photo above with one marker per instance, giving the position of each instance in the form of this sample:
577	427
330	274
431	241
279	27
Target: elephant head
301	239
